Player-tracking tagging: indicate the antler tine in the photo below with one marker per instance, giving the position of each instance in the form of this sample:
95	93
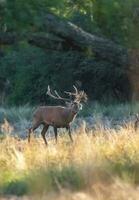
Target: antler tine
50	94
76	90
81	97
57	95
71	93
48	90
60	96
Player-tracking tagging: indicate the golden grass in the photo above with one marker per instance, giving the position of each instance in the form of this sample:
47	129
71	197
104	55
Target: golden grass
105	162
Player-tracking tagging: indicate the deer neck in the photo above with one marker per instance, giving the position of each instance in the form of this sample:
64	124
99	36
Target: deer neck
72	114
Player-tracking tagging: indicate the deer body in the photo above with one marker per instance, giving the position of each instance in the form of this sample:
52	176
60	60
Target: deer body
57	116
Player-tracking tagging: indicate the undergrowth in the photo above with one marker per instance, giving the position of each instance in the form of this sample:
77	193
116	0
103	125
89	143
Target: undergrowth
102	159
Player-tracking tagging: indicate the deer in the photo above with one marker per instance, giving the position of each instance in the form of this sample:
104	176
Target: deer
58	116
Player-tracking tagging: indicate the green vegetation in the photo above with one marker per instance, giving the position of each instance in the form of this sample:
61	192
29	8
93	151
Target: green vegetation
114	112
30	69
93	44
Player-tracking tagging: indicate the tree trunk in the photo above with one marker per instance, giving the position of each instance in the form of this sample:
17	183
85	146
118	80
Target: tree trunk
83	41
70	36
48	42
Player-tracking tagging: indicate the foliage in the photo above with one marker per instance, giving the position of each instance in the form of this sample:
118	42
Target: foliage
115	19
118	20
113	111
31	69
18	188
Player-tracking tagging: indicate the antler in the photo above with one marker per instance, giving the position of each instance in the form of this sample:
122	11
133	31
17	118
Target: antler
80	96
71	93
76	90
56	96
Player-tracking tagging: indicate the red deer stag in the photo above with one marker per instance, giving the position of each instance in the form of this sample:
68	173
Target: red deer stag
58	116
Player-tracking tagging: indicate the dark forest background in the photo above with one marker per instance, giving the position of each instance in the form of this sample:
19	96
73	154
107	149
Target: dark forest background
28	64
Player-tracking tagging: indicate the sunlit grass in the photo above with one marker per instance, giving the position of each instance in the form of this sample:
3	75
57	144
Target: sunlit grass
98	164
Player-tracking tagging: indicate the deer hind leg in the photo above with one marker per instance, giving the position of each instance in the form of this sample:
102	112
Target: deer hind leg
136	124
55	131
69	132
45	128
35	126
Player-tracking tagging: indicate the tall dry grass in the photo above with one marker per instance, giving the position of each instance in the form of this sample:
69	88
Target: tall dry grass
100	164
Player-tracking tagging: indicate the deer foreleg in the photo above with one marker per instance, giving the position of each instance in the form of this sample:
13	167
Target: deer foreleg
30	130
136	125
69	132
55	131
29	133
45	128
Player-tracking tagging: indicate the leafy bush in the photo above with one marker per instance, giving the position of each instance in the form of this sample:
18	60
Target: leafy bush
30	70
18	188
33	70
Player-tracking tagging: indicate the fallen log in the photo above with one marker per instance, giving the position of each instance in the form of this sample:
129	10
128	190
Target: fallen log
83	41
48	42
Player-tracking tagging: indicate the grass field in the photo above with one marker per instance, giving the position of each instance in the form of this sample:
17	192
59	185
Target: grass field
95	115
101	164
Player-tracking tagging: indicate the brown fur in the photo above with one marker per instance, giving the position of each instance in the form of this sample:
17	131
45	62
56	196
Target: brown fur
56	116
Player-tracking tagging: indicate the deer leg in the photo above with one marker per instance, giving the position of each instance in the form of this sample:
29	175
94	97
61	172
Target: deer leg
29	133
45	128
32	129
55	131
136	124
69	132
